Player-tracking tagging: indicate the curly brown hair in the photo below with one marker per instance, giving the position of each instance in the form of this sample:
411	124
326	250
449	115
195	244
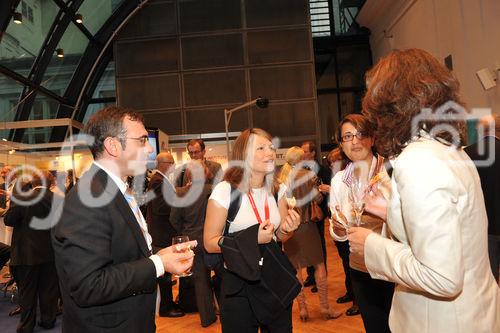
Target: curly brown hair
399	86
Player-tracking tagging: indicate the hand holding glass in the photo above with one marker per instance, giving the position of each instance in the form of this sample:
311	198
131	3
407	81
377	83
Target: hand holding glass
179	247
358	191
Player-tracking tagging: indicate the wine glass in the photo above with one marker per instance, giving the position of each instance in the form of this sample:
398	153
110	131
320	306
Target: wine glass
358	191
180	247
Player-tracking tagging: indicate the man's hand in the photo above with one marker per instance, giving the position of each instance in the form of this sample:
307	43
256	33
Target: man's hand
357	237
177	262
266	232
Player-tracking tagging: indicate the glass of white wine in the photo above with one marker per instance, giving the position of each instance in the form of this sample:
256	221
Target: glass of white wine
358	191
180	247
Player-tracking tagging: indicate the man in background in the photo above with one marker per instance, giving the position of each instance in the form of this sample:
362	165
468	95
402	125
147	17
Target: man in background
490	183
196	150
160	228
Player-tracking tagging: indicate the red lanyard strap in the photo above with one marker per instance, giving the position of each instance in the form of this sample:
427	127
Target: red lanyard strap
254	207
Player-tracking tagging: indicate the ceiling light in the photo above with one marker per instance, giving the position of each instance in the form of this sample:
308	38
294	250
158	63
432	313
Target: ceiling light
60	53
17	17
79	18
4	139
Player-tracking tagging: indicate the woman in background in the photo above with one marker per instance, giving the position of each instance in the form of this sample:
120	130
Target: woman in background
304	248
355	138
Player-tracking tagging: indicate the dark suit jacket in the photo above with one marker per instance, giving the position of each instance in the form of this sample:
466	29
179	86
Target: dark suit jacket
30	246
191	219
215	173
158	211
490	181
108	283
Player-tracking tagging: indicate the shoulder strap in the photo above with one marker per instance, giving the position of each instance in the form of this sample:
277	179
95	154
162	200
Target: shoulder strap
234	207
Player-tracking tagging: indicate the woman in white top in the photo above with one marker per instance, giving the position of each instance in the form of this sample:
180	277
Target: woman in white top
253	177
355	137
437	255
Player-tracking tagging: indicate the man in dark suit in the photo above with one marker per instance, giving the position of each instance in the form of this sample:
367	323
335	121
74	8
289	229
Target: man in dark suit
108	274
196	150
158	219
32	257
490	183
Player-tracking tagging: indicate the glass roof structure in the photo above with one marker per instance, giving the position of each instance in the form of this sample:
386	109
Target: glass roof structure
54	61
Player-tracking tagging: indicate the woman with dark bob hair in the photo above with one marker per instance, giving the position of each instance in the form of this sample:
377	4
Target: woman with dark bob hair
437	254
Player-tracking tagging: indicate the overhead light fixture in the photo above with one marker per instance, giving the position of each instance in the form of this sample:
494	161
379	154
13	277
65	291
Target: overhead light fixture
12	151
79	18
4	139
60	53
17	17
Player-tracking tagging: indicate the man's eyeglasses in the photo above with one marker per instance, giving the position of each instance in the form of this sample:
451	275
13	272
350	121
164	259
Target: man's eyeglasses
196	152
142	139
350	136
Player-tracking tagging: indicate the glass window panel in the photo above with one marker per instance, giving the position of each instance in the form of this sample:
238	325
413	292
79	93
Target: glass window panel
93	108
21	43
60	70
107	83
39	134
96	12
10	91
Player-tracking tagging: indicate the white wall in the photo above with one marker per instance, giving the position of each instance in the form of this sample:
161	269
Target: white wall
469	30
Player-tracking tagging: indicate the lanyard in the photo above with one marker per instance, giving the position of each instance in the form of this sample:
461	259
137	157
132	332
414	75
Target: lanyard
254	207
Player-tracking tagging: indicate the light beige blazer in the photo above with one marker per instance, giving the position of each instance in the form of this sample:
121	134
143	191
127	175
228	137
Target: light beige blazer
438	256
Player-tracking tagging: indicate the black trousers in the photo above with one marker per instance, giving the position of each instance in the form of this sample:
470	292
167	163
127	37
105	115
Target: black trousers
165	284
203	289
494	254
321	229
4	254
36	283
237	317
374	298
343	250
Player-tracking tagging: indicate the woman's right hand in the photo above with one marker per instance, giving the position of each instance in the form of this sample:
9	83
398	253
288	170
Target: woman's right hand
266	232
375	203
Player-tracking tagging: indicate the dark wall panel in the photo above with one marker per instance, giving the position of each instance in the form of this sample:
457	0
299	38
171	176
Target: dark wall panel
209	15
150	56
266	47
212	51
209	88
168	121
156	19
286	120
272	13
152	92
282	83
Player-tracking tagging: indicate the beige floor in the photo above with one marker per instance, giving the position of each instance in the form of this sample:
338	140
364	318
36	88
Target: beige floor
190	323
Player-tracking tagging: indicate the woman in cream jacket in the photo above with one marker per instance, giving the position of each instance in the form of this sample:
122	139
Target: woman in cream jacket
437	255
